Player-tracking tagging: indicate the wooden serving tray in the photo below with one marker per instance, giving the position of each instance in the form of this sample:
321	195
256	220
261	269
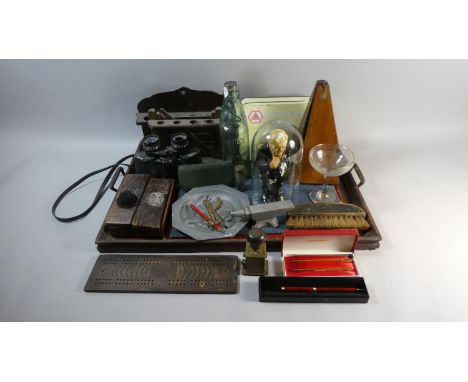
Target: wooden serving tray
349	192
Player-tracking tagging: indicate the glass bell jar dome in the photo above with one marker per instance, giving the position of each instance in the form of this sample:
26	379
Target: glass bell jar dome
276	154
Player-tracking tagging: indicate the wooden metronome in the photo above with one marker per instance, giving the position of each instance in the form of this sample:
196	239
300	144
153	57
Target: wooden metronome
318	126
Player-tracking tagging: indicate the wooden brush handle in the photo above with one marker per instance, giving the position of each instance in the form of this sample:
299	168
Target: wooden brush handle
326	209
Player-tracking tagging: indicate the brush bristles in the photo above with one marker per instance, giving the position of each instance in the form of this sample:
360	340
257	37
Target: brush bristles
328	222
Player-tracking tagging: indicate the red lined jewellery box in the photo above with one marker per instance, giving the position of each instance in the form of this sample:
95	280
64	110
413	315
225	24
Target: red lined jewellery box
318	266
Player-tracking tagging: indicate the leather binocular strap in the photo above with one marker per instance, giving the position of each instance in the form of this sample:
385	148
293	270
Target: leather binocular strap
114	171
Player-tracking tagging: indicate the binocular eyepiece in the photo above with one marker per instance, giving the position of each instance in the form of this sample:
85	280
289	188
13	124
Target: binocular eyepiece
162	161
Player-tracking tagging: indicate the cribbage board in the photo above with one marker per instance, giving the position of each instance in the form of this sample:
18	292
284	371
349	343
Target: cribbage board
164	274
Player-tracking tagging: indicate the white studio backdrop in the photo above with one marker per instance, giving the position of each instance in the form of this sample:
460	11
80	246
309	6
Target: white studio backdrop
98	98
406	121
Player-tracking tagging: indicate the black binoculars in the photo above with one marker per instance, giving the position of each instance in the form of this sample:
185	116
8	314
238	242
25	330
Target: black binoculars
162	161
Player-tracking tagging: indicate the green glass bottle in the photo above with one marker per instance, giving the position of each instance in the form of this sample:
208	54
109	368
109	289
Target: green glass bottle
234	127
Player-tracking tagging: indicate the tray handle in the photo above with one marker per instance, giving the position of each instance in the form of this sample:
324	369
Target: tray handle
360	175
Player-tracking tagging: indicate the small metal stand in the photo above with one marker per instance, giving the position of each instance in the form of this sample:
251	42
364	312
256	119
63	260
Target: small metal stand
255	261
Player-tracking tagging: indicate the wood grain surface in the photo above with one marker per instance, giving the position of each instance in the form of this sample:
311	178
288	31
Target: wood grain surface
319	127
122	217
151	214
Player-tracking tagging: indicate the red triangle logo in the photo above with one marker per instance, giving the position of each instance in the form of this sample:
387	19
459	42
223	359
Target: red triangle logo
255	116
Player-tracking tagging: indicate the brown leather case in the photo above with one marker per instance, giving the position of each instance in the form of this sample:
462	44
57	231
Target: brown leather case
318	127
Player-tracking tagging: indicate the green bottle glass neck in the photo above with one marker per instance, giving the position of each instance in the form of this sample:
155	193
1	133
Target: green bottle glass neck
231	89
